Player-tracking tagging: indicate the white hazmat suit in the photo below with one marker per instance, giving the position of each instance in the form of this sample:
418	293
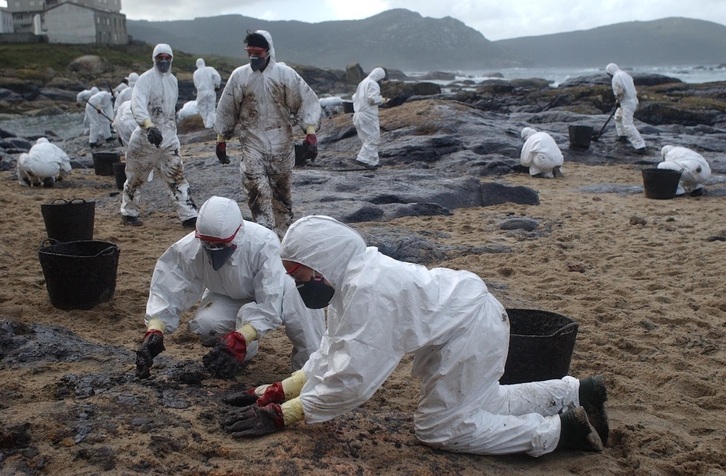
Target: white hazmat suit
251	288
153	105
627	98
125	94
540	153
458	333
124	123
261	103
99	110
694	168
43	164
366	100
207	81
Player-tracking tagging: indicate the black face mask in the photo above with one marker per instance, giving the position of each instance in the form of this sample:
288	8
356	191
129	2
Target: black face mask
316	293
220	256
257	63
163	66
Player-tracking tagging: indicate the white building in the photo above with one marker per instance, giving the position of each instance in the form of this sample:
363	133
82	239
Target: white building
71	21
6	21
74	23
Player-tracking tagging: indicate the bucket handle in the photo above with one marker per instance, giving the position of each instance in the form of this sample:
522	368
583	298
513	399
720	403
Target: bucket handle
566	329
106	251
49	241
73	200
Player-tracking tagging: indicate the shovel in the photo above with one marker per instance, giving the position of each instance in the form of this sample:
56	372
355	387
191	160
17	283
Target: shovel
597	135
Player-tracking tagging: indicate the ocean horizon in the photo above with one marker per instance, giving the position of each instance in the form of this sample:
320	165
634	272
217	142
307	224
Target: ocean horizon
557	76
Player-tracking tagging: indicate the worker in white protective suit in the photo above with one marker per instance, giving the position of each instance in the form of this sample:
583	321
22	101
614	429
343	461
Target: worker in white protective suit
541	154
124	123
234	267
81	101
99	111
125	94
261	97
379	310
695	169
154	143
331	105
366	100
626	98
207	80
44	164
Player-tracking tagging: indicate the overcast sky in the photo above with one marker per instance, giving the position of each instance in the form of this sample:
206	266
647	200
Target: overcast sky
495	19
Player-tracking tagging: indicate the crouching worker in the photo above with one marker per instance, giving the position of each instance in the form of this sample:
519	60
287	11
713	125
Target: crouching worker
541	154
695	170
234	267
44	164
379	310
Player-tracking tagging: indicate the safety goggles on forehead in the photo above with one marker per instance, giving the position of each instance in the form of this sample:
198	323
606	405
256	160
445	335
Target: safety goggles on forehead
255	51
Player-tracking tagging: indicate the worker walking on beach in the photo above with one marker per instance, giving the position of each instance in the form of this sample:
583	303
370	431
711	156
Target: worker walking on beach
626	98
261	97
541	154
366	100
380	309
207	81
234	267
154	144
695	169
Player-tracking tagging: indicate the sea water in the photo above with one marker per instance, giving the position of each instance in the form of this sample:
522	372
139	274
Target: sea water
557	76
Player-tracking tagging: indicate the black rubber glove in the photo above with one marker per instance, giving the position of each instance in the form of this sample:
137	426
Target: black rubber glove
227	357
254	421
152	346
311	147
154	136
241	399
221	152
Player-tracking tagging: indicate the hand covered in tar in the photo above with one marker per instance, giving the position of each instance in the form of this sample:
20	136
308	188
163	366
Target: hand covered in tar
152	346
254	420
311	147
221	152
154	136
227	357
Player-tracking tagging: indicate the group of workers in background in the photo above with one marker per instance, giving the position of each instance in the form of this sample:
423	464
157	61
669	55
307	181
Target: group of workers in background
350	312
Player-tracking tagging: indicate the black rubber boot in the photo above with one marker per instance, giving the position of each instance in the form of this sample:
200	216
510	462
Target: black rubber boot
593	396
131	221
577	433
190	223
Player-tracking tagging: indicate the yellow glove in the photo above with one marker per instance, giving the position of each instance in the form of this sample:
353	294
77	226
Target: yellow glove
292	411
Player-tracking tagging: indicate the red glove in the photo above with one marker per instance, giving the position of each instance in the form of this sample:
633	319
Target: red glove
311	147
221	152
236	345
272	394
227	357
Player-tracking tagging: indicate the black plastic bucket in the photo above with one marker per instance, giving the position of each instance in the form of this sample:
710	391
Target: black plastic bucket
660	184
103	162
69	220
348	107
119	172
580	136
79	274
540	346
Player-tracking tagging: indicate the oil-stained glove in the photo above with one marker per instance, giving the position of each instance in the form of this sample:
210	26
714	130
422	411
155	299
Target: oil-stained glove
273	393
254	421
154	136
241	399
221	152
311	147
152	346
227	357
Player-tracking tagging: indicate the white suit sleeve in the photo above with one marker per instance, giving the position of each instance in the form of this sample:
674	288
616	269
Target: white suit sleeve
175	286
302	100
355	358
373	93
228	108
264	313
140	100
